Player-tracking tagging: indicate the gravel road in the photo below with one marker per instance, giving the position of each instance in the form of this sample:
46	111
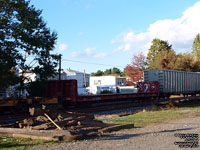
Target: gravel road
154	137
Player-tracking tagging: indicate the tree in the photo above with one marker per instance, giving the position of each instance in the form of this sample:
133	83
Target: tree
187	62
25	42
116	71
134	71
8	74
156	48
123	73
98	73
113	71
164	60
107	72
196	46
195	65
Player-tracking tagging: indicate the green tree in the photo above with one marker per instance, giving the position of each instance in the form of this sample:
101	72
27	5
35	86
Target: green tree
116	71
107	72
123	73
196	46
25	42
158	50
98	73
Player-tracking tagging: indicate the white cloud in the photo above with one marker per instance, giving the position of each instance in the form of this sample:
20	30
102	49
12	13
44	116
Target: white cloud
88	52
100	55
62	47
179	32
127	46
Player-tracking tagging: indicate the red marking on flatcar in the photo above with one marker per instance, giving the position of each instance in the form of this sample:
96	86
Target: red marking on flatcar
148	87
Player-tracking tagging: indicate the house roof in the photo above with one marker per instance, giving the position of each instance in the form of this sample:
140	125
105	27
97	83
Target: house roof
108	76
74	71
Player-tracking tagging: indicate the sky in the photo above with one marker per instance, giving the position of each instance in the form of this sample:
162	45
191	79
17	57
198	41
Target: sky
101	34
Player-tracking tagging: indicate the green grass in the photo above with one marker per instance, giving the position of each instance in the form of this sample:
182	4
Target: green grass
142	119
189	108
9	143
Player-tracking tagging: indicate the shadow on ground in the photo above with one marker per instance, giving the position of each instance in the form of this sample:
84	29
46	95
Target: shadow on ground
128	136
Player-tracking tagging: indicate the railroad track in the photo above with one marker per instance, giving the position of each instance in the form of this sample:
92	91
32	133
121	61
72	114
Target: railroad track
111	106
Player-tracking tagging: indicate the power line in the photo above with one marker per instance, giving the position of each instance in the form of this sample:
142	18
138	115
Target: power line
91	63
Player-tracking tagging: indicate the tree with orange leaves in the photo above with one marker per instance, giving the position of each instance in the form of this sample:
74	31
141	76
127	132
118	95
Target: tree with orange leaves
134	71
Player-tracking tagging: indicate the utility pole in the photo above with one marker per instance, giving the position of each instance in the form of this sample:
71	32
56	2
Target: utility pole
59	70
84	79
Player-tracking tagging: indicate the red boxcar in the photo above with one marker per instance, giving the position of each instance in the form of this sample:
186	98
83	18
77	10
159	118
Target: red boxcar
148	87
62	88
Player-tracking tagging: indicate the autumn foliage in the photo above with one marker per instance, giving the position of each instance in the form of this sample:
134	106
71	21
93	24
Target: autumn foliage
162	56
134	71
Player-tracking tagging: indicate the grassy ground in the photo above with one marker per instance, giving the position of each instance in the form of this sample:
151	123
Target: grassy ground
9	143
145	118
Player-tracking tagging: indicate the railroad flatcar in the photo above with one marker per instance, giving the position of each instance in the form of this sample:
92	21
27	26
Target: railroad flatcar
66	91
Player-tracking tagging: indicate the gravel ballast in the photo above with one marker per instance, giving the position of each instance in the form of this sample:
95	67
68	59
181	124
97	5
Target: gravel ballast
154	137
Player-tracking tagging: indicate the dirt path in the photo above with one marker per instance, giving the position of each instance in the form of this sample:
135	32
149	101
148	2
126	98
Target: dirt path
157	137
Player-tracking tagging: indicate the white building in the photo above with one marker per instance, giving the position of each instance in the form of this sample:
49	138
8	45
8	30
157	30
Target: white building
99	84
107	81
81	77
29	76
68	74
12	91
63	76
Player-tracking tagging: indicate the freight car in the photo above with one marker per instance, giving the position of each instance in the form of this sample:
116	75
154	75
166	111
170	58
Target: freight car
173	82
157	83
66	91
